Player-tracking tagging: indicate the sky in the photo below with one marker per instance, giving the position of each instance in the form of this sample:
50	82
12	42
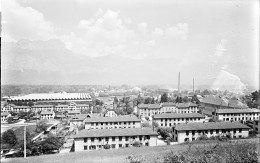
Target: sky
222	33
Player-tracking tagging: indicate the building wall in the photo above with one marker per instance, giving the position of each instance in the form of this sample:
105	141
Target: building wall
192	109
88	143
168	109
106	125
180	136
17	110
168	122
47	116
110	114
237	116
148	112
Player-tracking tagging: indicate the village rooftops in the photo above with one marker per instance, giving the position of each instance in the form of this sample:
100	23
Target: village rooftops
186	105
113	119
210	126
115	132
150	106
47	112
238	111
167	104
179	115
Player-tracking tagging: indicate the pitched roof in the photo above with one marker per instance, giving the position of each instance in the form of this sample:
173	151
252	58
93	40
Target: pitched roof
238	111
74	112
115	132
210	126
79	117
168	104
179	115
82	105
62	106
113	119
185	105
213	100
42	106
20	107
47	112
149	106
4	114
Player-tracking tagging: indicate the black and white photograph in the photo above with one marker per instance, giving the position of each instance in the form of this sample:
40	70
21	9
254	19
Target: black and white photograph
140	81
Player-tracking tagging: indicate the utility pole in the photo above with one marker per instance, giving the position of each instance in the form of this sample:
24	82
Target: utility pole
24	152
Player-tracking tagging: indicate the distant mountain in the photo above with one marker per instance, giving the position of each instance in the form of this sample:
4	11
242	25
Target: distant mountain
50	62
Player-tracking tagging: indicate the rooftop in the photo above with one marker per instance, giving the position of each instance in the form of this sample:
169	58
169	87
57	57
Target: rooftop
115	132
53	96
74	112
179	115
210	126
238	111
168	104
4	114
213	100
149	106
20	107
113	119
47	112
42	106
185	105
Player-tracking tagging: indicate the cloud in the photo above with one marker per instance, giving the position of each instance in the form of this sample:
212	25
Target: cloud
103	34
24	22
142	27
220	49
157	32
181	31
150	42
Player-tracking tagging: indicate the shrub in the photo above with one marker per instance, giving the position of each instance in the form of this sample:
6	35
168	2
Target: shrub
137	144
135	159
202	137
107	146
146	124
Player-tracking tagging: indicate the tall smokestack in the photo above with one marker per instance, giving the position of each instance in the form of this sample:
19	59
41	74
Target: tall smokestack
179	82
193	85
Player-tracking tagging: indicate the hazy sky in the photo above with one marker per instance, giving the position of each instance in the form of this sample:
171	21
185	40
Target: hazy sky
223	33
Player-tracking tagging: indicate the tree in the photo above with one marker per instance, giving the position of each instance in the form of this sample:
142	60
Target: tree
179	100
146	124
164	132
50	144
116	100
137	144
9	138
164	98
195	99
41	126
185	99
106	146
10	119
155	124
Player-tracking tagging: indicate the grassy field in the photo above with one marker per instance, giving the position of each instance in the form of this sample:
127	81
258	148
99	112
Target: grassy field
115	155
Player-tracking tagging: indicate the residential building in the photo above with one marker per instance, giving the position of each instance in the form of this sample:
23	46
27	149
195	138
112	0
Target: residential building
73	112
187	108
62	108
112	122
169	120
82	106
78	120
116	138
72	106
241	115
168	107
4	116
18	109
39	108
148	109
110	113
191	131
47	115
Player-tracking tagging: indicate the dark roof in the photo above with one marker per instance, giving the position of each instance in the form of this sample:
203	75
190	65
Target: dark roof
179	115
213	100
185	105
210	126
168	104
238	111
113	119
114	132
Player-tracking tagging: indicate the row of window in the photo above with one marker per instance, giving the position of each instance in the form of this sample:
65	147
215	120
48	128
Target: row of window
111	123
241	114
178	119
239	119
120	138
94	147
211	131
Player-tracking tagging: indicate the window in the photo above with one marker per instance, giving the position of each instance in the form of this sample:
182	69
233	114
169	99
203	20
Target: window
92	124
140	137
124	123
96	124
111	123
113	145
101	124
85	140
235	130
133	123
129	123
120	146
211	131
126	138
187	133
92	139
113	138
193	139
193	132
240	130
120	138
206	131
85	147
147	144
126	145
107	138
217	131
99	139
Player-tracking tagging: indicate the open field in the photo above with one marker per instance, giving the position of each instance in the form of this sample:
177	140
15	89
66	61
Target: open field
117	155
